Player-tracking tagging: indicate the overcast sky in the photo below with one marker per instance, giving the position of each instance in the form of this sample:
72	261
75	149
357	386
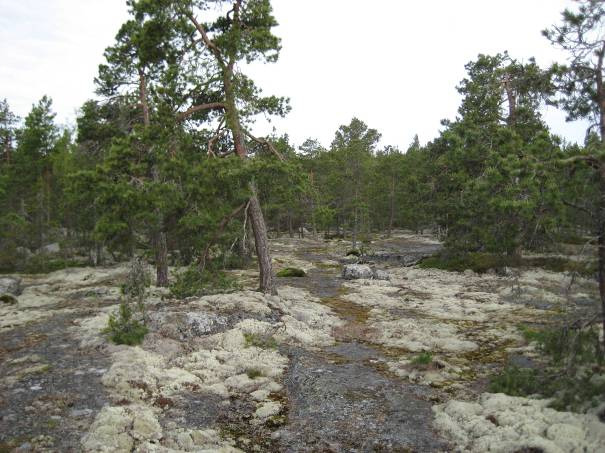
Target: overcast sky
394	64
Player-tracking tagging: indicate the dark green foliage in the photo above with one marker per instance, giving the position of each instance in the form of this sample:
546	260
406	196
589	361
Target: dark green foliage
291	272
43	264
573	373
128	325
192	282
137	282
563	344
450	260
8	299
123	328
517	381
477	262
424	358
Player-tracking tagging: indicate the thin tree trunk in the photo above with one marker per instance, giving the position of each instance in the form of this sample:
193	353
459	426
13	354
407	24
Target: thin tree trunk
392	213
355	228
158	236
161	259
261	242
601	203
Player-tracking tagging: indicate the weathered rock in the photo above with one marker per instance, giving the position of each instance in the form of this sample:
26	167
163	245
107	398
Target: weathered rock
10	285
50	248
381	275
182	325
349	259
357	271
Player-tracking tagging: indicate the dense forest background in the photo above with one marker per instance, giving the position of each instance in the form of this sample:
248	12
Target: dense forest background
163	161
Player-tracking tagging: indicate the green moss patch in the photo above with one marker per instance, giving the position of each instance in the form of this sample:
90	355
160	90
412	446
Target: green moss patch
291	272
260	341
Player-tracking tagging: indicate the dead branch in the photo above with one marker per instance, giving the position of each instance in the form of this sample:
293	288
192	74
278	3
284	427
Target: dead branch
206	39
266	143
198	108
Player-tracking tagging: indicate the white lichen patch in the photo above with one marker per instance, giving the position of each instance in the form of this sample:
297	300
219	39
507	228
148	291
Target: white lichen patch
44	296
187	440
80	277
267	409
307	321
304	320
120	429
229	366
12	316
466	319
252	302
90	330
139	375
501	423
416	335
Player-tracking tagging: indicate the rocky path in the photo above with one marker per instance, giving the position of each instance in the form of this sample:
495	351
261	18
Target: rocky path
343	398
50	386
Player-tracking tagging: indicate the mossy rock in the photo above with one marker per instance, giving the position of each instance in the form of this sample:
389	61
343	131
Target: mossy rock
291	272
8	299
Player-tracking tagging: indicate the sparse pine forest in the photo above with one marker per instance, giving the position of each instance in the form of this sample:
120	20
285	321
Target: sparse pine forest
164	171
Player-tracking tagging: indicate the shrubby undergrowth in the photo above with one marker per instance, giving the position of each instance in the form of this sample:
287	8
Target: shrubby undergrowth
193	282
127	326
572	372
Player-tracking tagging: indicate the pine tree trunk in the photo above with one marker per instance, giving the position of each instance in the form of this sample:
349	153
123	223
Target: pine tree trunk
601	203
158	236
161	258
259	228
261	242
392	207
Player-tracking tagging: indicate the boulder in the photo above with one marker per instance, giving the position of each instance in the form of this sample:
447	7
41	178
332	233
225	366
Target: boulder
11	285
50	248
356	271
381	275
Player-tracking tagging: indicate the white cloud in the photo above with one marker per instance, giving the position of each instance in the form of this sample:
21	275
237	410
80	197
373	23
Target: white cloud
392	63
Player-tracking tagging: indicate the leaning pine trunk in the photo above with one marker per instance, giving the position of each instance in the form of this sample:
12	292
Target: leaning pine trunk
259	228
267	284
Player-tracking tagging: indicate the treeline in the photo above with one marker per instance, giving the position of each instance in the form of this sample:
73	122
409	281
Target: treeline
156	164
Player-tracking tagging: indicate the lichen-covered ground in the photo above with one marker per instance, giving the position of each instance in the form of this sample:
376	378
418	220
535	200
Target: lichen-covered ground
327	365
